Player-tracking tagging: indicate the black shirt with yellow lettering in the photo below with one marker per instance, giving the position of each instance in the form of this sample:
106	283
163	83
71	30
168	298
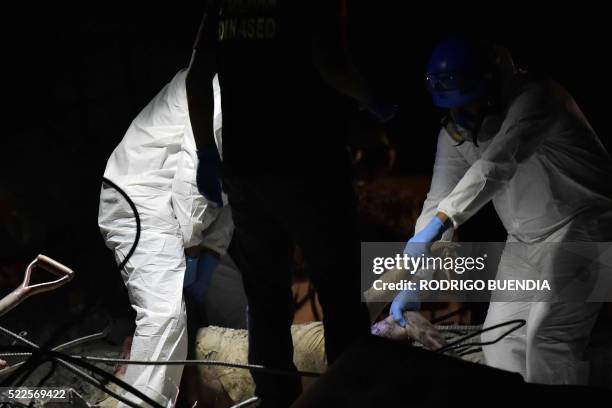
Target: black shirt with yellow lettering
279	116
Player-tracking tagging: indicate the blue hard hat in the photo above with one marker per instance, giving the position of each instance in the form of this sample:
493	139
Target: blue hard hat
457	72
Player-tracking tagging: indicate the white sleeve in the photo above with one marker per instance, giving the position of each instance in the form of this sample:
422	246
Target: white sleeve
218	234
526	124
201	224
190	207
449	167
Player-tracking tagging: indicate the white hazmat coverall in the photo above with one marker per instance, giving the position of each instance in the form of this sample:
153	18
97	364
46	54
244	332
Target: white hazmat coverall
548	175
155	164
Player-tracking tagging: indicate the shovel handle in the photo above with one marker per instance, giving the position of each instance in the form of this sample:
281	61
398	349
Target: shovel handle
54	267
26	290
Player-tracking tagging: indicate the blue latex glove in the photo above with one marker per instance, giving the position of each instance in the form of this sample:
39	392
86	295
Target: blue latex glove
191	270
208	175
417	245
206	264
405	300
432	232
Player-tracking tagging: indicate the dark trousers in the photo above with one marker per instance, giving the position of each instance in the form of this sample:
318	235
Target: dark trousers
271	215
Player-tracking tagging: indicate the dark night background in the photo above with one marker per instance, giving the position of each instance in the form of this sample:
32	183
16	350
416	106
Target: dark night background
75	78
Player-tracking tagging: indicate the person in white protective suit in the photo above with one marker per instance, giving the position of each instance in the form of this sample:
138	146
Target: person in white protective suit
155	164
523	143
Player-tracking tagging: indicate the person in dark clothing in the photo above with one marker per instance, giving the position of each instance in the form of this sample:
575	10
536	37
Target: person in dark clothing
285	77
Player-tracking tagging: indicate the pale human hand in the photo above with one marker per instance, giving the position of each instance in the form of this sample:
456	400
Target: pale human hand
417	328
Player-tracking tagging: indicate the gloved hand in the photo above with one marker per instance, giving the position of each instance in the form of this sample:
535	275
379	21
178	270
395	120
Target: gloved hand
432	232
208	175
405	301
206	265
416	246
191	270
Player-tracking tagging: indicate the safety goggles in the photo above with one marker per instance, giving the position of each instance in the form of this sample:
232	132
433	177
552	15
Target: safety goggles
449	81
